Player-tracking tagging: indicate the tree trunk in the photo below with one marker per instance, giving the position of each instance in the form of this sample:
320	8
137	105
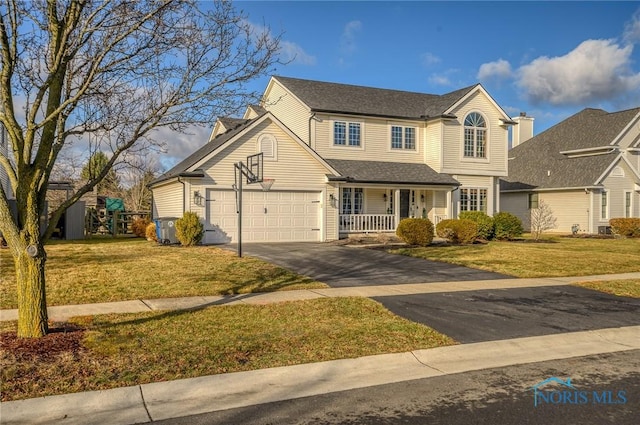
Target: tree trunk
32	303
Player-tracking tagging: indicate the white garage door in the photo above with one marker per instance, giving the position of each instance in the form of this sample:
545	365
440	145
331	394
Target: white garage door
275	216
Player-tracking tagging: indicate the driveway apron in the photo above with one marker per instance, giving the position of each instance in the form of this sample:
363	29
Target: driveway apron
342	266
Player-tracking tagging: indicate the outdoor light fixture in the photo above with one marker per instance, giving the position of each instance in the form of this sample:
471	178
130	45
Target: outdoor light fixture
332	197
384	196
422	197
197	198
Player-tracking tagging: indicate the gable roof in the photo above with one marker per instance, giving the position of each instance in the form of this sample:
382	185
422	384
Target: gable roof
388	172
180	169
539	164
322	96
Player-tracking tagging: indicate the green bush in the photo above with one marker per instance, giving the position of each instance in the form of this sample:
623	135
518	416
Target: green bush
189	229
507	226
462	231
626	227
483	221
150	232
139	227
415	231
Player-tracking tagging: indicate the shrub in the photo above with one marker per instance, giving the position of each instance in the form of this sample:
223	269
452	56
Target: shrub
139	227
415	231
462	231
483	221
150	232
507	226
626	227
189	229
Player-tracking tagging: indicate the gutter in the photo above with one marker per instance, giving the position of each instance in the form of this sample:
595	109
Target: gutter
184	201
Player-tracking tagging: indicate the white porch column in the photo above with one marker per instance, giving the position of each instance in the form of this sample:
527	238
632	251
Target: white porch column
396	205
449	206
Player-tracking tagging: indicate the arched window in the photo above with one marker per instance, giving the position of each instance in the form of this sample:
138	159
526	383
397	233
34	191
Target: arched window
267	144
475	136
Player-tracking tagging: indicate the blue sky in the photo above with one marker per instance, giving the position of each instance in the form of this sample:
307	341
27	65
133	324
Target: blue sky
549	59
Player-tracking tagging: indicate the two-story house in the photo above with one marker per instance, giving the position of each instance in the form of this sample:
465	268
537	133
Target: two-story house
343	159
585	168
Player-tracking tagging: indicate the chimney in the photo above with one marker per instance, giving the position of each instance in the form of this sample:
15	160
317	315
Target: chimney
523	131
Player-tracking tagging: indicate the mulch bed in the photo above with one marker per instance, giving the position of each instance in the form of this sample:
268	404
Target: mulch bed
62	338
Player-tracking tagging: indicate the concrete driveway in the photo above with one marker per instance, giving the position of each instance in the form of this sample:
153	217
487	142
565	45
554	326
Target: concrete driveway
341	266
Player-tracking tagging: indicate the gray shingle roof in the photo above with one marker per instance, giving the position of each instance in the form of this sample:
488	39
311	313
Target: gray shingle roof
333	97
389	172
538	163
205	150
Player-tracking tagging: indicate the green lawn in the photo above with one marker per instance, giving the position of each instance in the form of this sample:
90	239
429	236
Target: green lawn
107	269
127	349
557	256
621	288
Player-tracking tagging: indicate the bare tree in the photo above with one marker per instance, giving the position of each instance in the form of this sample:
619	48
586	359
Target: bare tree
542	219
111	72
136	176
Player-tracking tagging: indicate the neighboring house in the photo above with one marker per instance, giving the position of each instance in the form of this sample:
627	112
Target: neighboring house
586	168
345	159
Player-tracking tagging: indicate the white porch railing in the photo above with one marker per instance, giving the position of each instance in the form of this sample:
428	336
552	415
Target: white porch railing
439	218
364	223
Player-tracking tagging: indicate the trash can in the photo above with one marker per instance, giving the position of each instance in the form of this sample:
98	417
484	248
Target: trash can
166	230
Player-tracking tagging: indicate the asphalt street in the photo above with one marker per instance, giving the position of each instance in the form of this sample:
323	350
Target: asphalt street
491	396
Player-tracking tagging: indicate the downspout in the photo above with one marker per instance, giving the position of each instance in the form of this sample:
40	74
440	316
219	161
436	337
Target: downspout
184	190
310	119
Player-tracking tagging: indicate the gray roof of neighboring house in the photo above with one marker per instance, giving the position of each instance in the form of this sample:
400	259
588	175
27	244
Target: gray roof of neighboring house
538	163
388	172
181	168
230	122
332	97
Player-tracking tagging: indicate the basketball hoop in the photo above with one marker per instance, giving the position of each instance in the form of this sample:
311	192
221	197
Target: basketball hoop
266	184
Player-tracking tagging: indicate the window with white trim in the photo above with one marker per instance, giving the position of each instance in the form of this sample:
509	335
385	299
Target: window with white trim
352	199
628	210
475	136
403	137
533	201
347	133
267	144
473	199
604	205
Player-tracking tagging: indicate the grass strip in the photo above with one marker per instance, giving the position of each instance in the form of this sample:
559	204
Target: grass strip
128	349
622	288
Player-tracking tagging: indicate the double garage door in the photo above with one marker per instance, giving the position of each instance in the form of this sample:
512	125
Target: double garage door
274	216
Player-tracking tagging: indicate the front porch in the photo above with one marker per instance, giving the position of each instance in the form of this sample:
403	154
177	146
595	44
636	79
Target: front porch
379	210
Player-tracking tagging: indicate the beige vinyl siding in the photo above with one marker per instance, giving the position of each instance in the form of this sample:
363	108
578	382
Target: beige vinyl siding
569	208
453	138
375	140
616	187
517	203
167	200
331	212
374	201
433	145
293	113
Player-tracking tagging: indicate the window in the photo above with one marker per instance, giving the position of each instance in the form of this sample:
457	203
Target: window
473	200
267	145
403	137
352	200
533	201
342	137
475	134
627	204
604	209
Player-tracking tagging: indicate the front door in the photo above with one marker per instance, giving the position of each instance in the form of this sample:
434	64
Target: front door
404	203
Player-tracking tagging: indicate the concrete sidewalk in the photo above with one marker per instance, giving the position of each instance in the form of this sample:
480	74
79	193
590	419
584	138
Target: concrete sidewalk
136	306
164	400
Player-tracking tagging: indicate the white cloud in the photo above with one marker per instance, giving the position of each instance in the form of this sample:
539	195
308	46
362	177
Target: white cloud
348	44
291	52
177	146
439	80
632	29
500	69
429	59
596	70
